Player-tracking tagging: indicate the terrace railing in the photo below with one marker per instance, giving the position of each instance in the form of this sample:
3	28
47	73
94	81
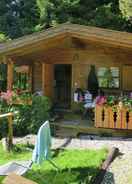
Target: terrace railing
114	118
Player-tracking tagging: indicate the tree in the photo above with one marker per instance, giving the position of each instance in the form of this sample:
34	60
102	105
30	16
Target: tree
126	8
18	17
104	13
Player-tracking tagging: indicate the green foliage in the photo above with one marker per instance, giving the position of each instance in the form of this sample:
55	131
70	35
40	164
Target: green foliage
126	8
41	106
30	118
22	17
18	18
3	37
105	13
116	102
22	121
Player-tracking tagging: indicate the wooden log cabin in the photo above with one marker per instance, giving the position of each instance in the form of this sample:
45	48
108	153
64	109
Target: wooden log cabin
59	60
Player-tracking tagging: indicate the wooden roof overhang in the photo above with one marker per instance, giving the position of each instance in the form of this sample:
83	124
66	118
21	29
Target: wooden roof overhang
52	37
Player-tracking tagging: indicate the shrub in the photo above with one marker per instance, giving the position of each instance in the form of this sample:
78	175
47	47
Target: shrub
29	118
41	106
22	121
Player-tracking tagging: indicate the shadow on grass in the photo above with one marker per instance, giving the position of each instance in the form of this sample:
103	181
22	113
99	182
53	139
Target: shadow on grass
77	175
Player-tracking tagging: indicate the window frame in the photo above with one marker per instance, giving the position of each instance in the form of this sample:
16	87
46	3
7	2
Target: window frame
113	77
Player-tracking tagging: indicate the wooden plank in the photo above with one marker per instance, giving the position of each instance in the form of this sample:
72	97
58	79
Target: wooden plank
37	76
15	179
130	121
119	119
106	117
111	118
98	116
6	115
86	127
47	79
123	118
114	38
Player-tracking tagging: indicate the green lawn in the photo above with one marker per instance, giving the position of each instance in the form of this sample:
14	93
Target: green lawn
77	166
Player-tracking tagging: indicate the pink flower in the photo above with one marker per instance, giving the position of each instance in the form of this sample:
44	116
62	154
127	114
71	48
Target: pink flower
7	96
100	100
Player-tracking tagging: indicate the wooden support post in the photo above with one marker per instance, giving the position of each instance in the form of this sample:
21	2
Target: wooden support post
9	116
47	79
10	75
43	77
10	131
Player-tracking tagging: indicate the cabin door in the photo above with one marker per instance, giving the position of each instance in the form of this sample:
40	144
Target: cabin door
62	85
48	78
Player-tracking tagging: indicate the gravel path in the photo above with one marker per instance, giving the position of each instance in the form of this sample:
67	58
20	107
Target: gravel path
120	171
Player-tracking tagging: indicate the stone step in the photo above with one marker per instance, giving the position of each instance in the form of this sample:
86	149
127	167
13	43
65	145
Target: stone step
66	132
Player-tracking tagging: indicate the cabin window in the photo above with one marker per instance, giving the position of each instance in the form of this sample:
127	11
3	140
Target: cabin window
108	77
22	78
3	77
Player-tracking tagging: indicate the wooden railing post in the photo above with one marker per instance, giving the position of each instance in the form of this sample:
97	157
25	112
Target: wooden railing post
9	116
10	131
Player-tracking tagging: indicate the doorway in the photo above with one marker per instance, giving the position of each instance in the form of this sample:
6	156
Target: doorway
62	86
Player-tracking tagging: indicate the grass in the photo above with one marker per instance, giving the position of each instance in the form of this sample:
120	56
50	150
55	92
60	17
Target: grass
76	166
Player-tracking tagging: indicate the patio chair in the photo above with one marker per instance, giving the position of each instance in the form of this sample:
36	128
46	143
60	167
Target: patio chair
41	152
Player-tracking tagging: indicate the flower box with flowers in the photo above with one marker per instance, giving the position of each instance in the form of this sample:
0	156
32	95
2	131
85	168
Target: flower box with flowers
113	112
21	97
7	99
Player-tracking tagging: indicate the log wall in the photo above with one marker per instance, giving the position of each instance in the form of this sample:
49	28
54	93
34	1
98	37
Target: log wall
81	59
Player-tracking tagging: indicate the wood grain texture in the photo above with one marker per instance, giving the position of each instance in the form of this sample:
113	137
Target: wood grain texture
111	37
47	79
15	179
